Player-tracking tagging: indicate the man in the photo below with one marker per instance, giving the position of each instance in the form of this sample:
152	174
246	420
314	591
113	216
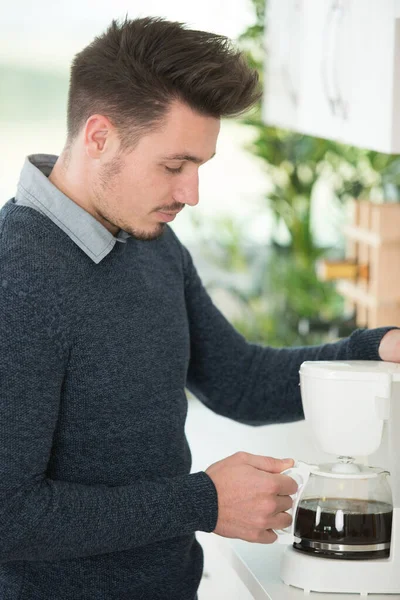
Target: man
104	322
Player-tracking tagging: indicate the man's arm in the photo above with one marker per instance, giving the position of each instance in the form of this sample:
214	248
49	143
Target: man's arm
44	519
246	382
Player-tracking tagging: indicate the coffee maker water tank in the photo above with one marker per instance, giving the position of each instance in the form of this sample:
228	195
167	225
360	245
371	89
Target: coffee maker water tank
347	403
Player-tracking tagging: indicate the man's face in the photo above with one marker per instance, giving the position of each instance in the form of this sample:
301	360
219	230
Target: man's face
142	190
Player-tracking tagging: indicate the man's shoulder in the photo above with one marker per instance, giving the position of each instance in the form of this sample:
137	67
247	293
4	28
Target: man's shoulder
28	249
23	225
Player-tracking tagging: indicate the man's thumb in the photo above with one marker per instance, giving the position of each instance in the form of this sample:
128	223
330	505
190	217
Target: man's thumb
270	464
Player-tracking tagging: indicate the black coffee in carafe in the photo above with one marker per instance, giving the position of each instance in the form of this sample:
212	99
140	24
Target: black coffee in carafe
343	528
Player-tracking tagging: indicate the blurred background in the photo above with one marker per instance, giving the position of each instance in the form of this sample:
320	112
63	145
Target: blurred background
272	202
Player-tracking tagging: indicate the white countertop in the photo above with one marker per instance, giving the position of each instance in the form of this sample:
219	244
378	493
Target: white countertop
212	438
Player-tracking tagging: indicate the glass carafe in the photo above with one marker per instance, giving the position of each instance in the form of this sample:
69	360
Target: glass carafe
343	511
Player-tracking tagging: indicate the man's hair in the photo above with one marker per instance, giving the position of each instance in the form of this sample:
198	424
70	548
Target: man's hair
133	71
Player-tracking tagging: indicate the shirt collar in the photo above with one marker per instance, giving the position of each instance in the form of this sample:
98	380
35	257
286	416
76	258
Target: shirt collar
37	191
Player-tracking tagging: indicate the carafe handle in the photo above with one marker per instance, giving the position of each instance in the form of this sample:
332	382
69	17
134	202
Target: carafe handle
300	473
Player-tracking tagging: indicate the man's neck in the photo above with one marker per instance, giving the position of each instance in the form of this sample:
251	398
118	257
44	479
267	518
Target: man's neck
61	178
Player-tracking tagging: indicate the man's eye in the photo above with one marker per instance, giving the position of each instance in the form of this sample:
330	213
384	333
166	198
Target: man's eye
174	170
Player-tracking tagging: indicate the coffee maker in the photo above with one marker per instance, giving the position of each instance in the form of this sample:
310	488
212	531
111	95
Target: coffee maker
345	535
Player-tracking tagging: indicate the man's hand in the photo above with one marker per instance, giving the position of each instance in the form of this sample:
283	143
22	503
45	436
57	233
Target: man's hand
252	496
389	348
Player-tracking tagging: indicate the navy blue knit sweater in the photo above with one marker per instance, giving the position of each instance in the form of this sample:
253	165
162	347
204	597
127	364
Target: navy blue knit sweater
96	497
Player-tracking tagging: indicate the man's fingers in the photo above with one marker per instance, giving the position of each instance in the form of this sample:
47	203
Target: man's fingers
285	485
267	463
267	536
283	503
389	348
280	521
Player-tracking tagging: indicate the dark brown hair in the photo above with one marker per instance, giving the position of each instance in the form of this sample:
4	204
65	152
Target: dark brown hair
133	71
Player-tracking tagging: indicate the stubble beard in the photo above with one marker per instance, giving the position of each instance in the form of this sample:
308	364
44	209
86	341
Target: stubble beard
146	236
105	189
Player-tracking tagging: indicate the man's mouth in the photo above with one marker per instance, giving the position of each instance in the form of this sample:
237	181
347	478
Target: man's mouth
167	216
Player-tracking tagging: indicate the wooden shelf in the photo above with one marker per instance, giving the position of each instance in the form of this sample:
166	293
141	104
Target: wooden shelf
357	234
353	292
373	241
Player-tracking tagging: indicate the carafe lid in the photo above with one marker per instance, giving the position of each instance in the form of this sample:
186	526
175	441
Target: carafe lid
340	470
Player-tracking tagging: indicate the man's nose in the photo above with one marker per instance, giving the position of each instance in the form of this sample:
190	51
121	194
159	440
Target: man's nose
187	192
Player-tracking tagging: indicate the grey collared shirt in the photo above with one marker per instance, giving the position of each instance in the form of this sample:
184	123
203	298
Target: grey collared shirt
37	191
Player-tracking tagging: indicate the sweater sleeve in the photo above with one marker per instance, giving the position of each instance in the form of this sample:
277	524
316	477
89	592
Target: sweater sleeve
44	519
250	383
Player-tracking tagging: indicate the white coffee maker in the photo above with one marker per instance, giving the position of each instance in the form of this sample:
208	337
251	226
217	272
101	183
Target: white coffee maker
353	410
